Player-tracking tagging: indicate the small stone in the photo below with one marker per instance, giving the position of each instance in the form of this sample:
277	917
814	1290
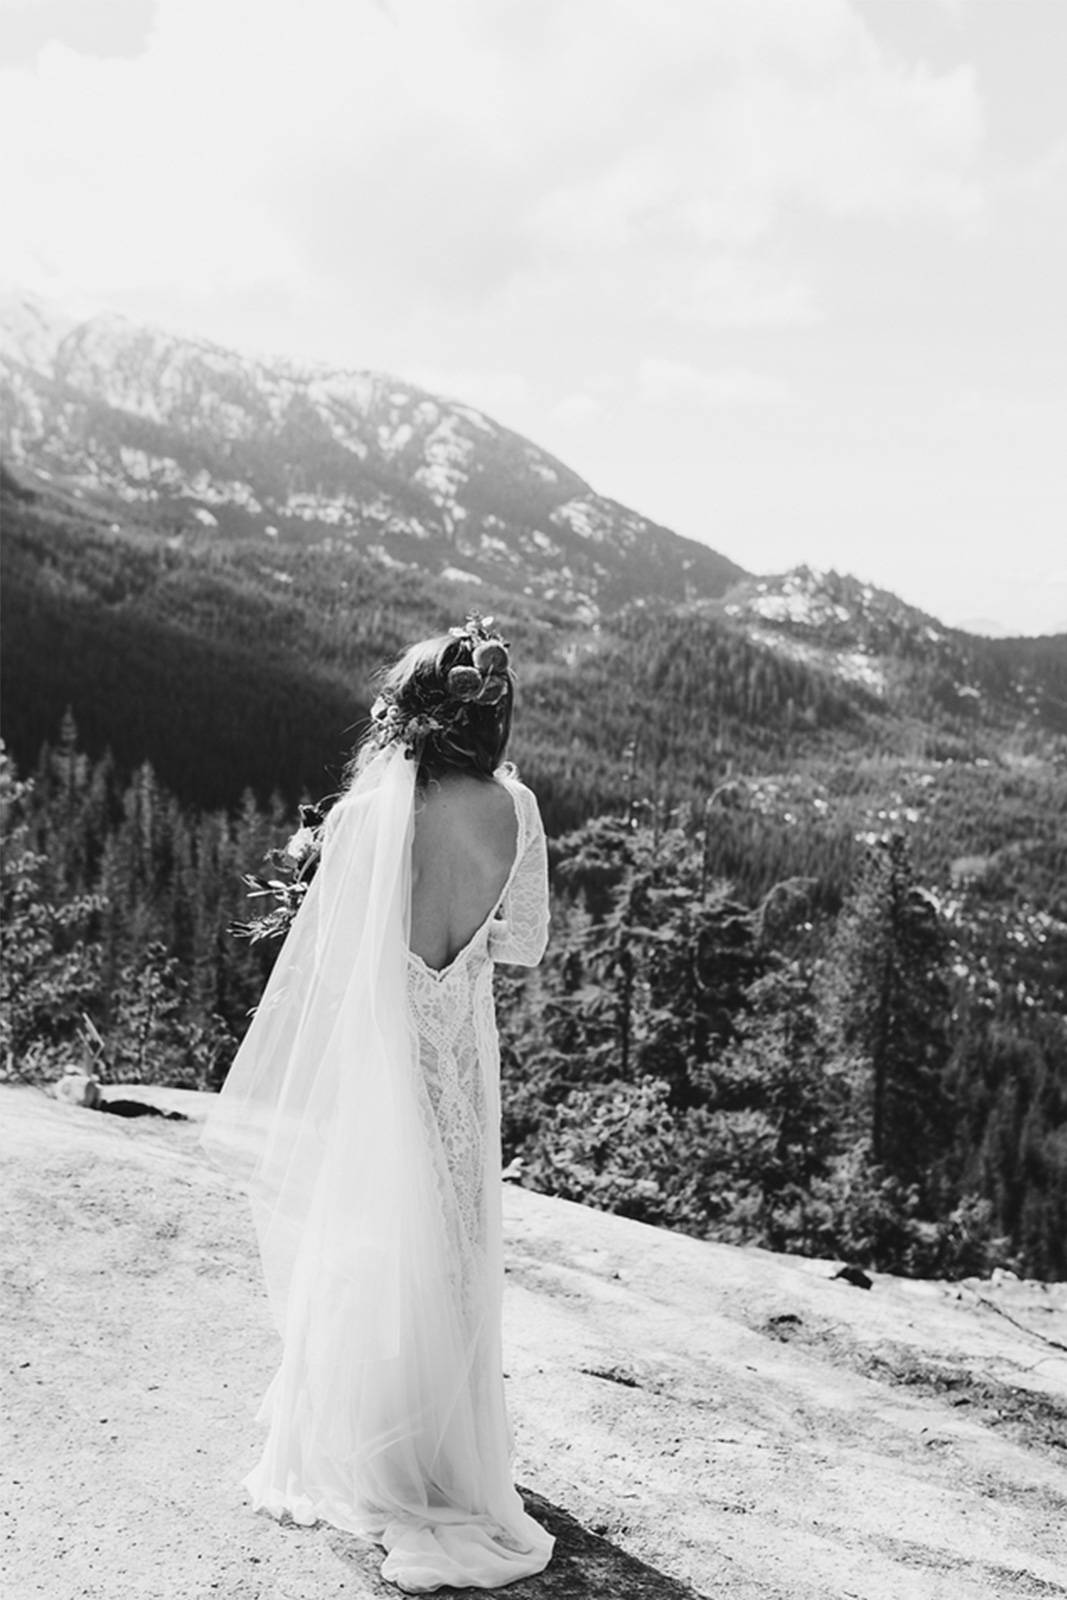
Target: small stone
855	1276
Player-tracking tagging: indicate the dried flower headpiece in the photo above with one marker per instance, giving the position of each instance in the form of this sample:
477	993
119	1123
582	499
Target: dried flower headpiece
484	682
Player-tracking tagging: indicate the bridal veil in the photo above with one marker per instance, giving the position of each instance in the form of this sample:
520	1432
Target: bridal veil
386	1416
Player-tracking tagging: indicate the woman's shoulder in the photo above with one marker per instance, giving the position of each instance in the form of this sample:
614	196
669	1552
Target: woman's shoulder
525	803
508	775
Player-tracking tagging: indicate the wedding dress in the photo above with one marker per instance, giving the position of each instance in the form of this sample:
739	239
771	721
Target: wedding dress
362	1112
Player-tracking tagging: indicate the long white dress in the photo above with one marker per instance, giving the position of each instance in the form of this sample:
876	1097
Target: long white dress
363	1112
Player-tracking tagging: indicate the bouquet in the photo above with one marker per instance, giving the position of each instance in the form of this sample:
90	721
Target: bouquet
294	864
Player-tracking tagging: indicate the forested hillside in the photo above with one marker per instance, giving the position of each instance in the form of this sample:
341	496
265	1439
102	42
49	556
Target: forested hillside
808	972
822	1013
178	435
807	983
235	664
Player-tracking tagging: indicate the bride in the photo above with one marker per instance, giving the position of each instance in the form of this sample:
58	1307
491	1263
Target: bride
362	1112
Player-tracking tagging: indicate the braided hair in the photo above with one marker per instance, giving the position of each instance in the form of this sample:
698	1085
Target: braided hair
449	701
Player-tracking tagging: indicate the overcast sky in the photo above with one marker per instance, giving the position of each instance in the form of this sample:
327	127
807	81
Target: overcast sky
787	275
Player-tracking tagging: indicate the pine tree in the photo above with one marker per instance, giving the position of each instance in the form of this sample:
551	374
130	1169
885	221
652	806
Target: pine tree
888	1010
772	1091
49	964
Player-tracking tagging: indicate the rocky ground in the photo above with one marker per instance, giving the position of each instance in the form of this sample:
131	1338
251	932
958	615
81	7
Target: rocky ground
690	1417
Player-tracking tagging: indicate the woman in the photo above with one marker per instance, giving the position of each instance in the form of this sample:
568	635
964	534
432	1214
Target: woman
362	1109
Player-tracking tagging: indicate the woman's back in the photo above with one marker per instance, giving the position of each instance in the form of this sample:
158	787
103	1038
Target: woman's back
465	839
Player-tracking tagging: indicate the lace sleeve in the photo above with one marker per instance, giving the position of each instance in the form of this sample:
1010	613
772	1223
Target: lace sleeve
520	933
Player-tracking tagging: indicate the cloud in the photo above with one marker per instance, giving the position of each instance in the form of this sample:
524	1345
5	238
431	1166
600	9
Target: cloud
120	28
956	10
483	165
1045	176
672	383
490	391
731	292
576	408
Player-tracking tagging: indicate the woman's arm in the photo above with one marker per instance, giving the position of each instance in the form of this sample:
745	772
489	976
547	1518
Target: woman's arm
520	933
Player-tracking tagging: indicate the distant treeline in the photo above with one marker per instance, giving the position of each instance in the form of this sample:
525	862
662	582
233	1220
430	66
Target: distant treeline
766	1017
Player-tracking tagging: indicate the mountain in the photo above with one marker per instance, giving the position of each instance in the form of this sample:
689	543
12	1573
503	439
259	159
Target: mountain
206	557
904	660
179	435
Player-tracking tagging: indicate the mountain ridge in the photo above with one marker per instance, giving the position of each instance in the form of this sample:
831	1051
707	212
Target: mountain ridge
186	649
153	585
183	431
170	429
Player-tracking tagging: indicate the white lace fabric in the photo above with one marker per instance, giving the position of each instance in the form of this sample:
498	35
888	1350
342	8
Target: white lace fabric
363	1112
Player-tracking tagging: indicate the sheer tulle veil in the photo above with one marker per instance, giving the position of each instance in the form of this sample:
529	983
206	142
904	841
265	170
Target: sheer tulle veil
313	1117
387	1414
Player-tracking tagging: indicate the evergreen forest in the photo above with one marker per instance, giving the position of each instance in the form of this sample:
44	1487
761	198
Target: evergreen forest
807	980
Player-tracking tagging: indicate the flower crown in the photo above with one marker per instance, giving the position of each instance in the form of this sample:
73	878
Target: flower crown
484	682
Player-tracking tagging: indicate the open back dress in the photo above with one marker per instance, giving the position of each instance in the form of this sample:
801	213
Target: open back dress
363	1111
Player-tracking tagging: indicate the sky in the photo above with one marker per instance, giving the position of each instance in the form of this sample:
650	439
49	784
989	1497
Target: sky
784	275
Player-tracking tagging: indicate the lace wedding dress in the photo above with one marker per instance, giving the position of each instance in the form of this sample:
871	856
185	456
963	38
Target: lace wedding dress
363	1112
